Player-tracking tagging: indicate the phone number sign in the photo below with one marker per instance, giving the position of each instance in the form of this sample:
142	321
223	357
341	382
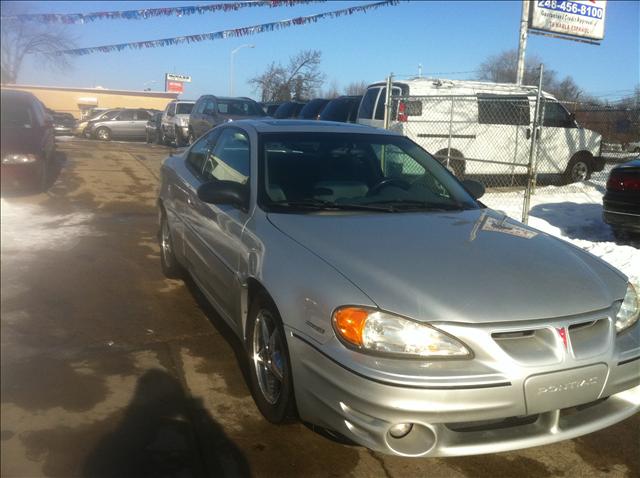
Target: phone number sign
581	18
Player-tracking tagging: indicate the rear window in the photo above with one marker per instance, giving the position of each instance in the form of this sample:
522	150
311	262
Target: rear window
337	110
288	110
500	109
184	108
312	109
239	108
16	114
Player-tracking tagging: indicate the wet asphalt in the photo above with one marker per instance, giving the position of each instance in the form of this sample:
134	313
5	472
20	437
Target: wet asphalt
110	370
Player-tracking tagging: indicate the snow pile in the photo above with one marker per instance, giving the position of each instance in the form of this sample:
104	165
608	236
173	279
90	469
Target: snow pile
572	213
29	228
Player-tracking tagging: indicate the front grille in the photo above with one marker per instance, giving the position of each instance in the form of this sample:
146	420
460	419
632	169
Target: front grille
486	425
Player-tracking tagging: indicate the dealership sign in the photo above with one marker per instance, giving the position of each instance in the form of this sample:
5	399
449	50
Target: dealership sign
174	83
579	18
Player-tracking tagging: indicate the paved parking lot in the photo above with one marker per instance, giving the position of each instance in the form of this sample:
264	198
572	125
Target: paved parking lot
108	369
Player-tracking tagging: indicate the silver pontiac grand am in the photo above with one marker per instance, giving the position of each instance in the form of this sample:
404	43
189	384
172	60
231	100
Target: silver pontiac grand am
380	301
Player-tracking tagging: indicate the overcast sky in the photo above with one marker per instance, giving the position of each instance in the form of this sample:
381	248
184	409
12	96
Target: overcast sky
445	37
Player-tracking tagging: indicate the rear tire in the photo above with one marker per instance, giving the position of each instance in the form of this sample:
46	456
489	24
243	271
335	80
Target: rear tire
269	364
170	265
456	166
180	141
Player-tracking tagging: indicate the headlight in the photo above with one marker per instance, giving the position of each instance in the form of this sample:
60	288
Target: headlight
629	310
19	158
383	333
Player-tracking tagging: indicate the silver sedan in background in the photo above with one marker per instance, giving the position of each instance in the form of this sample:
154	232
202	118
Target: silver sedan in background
379	299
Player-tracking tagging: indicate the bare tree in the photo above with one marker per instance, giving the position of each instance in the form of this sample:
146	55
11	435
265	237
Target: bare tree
501	68
356	88
21	39
300	79
333	91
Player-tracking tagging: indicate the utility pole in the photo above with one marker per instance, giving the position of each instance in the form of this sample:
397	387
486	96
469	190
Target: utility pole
522	44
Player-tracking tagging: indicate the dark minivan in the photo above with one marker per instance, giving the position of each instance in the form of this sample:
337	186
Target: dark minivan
313	109
210	111
343	109
290	109
27	143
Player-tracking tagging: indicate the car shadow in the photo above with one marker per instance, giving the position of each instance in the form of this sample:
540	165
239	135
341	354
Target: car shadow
580	221
165	432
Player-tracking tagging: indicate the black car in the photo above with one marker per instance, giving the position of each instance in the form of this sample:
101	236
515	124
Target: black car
343	109
270	108
313	109
210	111
621	202
290	109
27	140
63	123
153	128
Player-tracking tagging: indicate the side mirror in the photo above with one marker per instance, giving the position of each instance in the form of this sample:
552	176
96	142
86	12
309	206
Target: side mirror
225	192
475	188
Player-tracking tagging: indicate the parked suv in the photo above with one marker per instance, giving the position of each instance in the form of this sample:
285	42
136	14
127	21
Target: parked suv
486	127
210	111
28	144
343	109
175	122
126	124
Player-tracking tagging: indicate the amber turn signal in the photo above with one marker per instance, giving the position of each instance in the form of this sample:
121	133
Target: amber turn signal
349	322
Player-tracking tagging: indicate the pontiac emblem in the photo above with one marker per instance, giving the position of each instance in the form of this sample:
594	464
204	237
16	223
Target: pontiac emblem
562	332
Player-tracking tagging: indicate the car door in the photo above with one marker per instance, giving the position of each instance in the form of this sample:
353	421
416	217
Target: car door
121	125
140	124
219	227
559	138
208	116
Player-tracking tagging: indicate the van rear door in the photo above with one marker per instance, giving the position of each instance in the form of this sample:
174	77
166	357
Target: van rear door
371	111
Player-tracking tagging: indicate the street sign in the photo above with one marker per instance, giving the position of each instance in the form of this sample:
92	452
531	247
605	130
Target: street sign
175	86
177	77
577	18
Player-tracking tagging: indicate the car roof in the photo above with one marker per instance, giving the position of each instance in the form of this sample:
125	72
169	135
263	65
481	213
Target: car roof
270	125
18	95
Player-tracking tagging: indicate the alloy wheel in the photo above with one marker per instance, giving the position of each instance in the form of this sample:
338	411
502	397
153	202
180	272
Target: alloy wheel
579	171
267	356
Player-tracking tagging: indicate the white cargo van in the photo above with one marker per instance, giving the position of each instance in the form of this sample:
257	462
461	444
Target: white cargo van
483	128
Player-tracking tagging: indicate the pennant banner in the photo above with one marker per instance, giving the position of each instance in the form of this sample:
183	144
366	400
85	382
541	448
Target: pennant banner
236	32
72	18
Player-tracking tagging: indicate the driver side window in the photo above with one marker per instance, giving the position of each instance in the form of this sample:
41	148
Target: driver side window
199	152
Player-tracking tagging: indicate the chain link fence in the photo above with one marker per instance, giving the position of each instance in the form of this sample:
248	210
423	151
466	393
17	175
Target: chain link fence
497	140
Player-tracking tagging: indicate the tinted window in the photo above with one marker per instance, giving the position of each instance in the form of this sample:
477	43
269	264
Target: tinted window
230	159
290	109
209	107
368	103
171	110
312	109
143	115
239	108
15	113
199	106
497	109
382	98
556	116
199	152
184	108
127	115
340	109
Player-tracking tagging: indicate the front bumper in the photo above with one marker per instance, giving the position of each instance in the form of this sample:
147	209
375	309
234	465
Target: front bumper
465	419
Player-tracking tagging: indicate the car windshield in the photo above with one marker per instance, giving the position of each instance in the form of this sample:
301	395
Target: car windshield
15	113
239	108
104	115
184	108
354	171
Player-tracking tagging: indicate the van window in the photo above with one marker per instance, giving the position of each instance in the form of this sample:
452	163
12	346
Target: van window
556	116
380	107
368	103
171	110
502	109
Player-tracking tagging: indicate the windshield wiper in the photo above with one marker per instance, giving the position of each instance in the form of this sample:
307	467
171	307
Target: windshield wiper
416	204
320	204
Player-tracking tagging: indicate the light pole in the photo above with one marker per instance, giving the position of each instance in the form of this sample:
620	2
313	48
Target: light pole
233	52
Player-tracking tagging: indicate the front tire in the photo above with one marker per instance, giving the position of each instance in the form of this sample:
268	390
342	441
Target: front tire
270	368
171	268
579	169
103	134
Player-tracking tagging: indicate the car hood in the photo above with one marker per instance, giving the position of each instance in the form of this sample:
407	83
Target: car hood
467	266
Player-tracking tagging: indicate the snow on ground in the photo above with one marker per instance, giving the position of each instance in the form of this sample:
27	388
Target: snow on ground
572	213
28	228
